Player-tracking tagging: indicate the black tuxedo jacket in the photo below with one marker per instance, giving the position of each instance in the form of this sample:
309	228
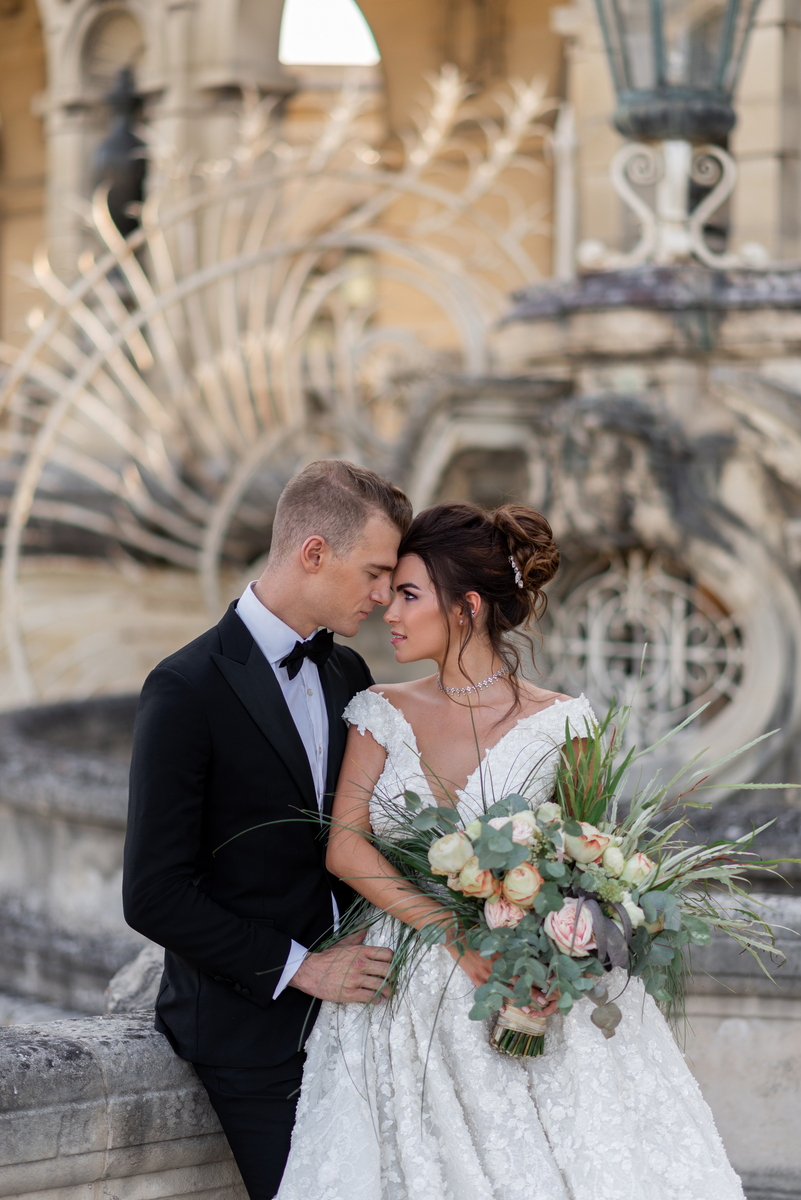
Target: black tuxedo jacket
216	752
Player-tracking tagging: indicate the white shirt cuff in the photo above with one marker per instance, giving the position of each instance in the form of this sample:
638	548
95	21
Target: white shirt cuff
296	955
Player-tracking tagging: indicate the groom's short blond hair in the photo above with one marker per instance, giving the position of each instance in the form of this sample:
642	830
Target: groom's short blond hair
334	499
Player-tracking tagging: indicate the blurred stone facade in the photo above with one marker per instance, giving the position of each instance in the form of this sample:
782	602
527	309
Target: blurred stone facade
653	415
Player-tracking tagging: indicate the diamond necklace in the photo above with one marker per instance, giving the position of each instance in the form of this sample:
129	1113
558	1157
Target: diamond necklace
462	691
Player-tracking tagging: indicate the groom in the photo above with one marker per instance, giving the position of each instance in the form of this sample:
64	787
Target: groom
238	743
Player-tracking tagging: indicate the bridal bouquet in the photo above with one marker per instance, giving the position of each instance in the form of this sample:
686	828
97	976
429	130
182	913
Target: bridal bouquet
559	893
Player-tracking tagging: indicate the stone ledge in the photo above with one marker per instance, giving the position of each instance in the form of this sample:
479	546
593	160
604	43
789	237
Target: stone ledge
43	959
106	1099
771	1186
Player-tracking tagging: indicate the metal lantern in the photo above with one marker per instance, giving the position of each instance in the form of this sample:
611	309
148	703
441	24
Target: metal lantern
675	64
119	160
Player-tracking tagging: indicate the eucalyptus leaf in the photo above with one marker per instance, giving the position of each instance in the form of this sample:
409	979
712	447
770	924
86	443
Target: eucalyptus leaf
548	899
660	955
654	983
426	819
607	1017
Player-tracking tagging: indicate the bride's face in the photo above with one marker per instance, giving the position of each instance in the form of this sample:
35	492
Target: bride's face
414	616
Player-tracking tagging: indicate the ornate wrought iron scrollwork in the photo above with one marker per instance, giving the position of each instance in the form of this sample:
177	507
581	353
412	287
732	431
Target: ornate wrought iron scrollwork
639	626
289	302
669	230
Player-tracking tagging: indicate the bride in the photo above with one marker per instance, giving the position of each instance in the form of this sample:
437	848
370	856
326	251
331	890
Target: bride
409	1101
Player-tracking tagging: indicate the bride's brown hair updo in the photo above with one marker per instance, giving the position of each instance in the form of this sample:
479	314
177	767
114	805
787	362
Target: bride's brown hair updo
467	549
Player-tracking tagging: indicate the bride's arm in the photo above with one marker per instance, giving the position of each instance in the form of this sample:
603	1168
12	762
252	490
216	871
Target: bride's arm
355	861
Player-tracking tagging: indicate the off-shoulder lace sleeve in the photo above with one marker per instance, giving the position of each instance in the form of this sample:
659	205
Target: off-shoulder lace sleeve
575	714
372	712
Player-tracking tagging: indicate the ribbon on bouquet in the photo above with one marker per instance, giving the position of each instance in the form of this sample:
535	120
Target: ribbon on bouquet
518	1032
530	1022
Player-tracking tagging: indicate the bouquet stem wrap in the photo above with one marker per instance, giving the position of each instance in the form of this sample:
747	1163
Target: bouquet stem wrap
519	1033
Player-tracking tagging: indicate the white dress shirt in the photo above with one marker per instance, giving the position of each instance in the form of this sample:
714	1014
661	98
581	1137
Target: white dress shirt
306	703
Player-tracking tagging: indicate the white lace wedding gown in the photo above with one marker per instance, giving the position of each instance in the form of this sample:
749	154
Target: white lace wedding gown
414	1104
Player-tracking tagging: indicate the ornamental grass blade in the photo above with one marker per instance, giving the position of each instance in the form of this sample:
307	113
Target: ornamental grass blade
733	754
671	732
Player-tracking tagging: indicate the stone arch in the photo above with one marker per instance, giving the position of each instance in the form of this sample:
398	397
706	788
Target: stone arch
85	49
106	31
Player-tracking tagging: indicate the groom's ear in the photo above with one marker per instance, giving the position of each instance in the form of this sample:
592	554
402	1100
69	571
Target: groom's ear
313	553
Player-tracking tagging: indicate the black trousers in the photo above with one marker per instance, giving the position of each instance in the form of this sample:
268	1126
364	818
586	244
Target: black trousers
256	1107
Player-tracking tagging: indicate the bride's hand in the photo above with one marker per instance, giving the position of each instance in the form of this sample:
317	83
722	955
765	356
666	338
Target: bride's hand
479	969
546	1007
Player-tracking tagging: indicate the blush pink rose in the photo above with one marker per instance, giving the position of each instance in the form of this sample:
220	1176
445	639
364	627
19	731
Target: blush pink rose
500	912
475	882
521	826
571	936
589	845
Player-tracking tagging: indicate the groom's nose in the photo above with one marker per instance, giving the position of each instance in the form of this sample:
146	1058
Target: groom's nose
382	592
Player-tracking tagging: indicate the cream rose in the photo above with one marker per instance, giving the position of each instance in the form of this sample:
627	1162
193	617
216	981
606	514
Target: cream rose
656	926
637	869
613	860
473	830
549	812
448	854
572	936
635	913
500	912
475	882
453	883
521	884
589	845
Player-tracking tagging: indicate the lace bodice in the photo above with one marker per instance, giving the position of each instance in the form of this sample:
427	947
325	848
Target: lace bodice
524	760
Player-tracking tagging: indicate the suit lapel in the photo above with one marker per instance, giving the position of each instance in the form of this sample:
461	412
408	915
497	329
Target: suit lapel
335	690
255	684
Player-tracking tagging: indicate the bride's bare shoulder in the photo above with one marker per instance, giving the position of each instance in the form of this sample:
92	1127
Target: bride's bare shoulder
396	693
407	697
533	699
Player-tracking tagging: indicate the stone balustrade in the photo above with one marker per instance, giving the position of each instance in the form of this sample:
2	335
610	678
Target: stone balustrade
102	1107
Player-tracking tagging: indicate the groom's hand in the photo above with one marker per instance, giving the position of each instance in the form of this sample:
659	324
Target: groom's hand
349	972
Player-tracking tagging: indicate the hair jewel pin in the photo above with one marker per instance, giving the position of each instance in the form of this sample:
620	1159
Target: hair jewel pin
516	569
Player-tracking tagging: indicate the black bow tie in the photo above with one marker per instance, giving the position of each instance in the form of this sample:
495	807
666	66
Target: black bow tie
318	650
